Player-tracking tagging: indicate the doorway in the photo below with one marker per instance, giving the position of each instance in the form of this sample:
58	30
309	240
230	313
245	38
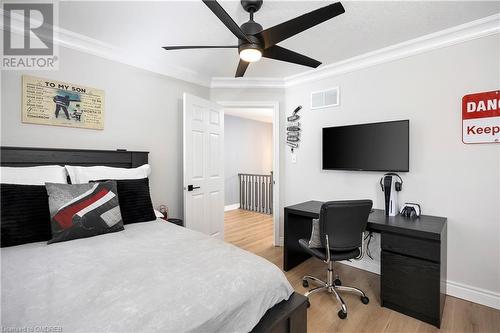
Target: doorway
252	160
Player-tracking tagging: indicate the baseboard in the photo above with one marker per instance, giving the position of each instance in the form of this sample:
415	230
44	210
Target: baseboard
232	207
473	294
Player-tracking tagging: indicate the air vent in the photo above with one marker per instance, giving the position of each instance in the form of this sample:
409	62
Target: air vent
325	98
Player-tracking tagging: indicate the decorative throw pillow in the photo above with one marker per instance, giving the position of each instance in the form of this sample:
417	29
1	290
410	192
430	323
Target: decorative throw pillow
315	240
25	216
135	200
83	210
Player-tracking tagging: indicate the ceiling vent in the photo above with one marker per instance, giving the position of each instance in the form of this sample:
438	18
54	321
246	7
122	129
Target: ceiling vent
325	98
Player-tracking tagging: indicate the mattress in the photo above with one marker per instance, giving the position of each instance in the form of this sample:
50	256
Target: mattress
151	277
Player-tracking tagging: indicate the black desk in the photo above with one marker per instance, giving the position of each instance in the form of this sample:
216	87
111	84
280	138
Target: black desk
413	258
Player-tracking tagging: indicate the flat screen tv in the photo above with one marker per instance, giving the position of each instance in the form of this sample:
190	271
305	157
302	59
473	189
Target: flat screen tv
367	147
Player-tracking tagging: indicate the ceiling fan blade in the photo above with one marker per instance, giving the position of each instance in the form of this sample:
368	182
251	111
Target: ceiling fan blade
280	53
217	9
242	67
280	32
199	47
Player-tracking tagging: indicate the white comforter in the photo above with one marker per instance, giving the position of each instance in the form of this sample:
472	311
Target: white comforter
153	276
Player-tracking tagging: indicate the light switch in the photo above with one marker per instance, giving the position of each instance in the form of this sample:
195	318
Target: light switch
294	158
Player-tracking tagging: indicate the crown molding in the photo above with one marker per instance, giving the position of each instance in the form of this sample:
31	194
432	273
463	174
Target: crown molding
75	41
247	82
462	33
82	43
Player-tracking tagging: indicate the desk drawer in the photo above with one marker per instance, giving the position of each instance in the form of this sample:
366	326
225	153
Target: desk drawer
411	286
415	247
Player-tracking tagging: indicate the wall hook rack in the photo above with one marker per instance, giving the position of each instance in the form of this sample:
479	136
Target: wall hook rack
293	129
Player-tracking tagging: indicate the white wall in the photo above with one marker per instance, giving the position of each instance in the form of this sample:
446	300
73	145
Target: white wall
447	177
248	148
143	111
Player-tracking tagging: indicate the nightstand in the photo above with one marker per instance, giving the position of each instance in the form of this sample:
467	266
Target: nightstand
178	222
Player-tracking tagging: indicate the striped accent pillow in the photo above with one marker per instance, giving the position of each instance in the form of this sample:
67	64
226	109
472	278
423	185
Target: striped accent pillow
83	210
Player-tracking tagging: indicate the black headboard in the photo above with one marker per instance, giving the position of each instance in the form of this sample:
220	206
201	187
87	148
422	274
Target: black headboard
23	156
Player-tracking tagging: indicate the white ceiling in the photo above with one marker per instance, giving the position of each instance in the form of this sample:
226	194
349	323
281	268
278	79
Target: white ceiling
260	114
140	28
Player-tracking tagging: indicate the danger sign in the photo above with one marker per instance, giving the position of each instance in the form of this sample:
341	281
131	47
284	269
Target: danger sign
481	117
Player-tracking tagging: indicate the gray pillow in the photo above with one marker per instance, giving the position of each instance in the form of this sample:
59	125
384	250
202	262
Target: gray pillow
83	210
315	241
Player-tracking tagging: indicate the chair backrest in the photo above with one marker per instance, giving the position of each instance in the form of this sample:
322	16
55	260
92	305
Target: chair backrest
344	223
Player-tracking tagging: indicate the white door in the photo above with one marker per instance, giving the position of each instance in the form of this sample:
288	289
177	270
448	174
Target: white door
203	166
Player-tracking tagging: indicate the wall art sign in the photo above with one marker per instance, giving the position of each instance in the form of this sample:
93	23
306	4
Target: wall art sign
293	129
481	117
51	102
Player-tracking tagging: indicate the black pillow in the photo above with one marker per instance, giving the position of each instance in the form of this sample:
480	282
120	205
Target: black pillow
135	200
25	215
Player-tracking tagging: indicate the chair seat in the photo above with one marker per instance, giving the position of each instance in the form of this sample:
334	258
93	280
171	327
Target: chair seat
334	255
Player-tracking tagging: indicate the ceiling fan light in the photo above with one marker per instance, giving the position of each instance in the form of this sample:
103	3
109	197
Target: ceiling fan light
250	55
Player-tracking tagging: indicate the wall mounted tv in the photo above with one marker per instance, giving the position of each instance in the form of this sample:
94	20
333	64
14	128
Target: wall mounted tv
367	147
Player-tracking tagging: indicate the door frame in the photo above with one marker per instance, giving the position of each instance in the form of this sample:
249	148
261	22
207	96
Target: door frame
276	154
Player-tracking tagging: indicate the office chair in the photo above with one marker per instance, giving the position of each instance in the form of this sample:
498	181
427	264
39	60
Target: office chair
341	225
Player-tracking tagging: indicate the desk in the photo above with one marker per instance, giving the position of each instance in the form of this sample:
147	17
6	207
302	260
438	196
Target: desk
413	258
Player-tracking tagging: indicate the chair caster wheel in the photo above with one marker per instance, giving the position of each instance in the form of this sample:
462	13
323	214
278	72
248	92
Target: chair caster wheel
305	284
365	299
308	304
342	314
337	282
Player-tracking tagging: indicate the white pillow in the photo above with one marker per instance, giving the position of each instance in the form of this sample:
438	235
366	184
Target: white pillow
38	175
81	175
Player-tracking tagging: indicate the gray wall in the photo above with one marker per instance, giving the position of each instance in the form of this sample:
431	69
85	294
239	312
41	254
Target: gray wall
248	148
447	177
143	111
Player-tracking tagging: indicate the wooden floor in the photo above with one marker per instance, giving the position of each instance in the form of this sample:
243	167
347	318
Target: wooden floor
254	232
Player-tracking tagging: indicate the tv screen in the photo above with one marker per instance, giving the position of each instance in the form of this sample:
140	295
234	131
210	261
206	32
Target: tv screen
367	147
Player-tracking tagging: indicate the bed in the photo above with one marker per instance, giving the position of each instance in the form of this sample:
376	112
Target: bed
153	276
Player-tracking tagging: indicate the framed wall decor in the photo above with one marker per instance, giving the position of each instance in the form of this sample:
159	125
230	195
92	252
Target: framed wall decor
51	102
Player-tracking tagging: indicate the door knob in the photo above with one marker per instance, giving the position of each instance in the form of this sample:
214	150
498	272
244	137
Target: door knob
191	187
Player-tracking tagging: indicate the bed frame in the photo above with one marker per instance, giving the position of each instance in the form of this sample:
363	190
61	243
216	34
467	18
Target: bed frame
285	317
16	156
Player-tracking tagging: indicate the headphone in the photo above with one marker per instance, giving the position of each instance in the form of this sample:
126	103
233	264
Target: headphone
398	185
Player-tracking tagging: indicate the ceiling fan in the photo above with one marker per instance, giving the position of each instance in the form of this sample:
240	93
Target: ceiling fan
254	42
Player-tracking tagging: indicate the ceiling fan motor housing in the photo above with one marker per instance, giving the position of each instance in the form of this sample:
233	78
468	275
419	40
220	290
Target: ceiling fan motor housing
250	28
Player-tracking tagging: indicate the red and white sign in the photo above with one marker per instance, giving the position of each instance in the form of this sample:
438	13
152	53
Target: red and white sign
481	117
